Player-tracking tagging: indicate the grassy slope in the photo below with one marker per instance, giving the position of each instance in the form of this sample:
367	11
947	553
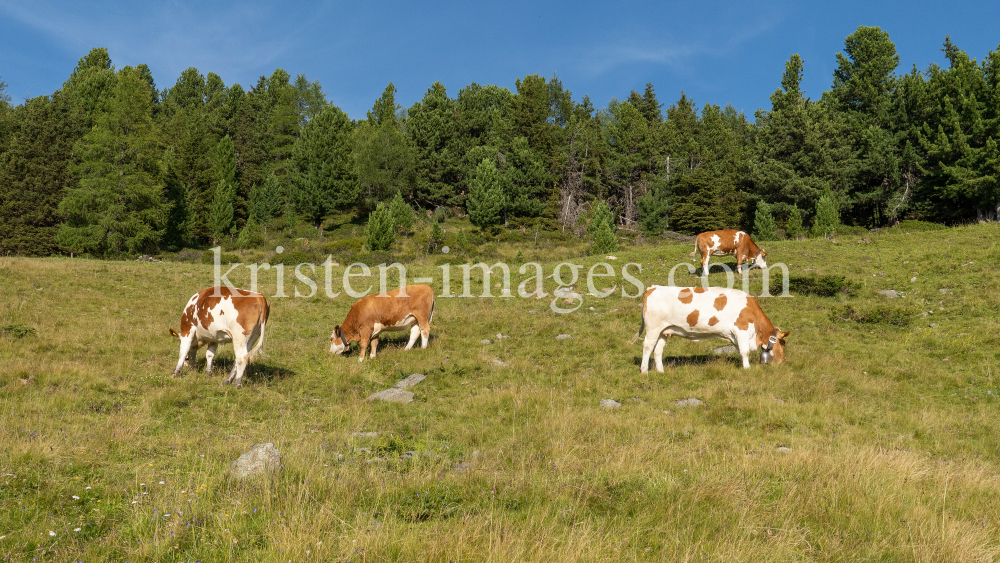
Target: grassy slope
892	431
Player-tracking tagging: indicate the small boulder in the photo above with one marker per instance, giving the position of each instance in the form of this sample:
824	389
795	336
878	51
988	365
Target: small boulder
610	404
498	363
261	460
692	402
410	381
933	325
723	350
501	336
890	293
486	341
392	395
365	435
784	449
563	337
945	290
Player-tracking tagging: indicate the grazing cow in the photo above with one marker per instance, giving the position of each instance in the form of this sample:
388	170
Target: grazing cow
218	315
695	313
374	314
728	243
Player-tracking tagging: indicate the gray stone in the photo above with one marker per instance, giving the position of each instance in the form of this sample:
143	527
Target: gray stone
890	293
692	402
392	395
933	325
501	336
410	381
261	460
913	279
499	363
486	341
563	337
365	435
610	403
723	350
944	290
784	449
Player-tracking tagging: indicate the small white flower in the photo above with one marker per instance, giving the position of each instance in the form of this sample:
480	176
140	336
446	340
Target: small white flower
182	492
76	529
162	483
76	497
142	484
87	489
167	514
51	533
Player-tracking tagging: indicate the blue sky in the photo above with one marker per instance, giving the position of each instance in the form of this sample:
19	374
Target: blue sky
716	51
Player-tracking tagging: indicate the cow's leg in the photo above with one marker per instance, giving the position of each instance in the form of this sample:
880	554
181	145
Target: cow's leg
414	333
661	343
374	342
425	332
242	359
209	356
648	344
185	349
743	345
704	262
365	338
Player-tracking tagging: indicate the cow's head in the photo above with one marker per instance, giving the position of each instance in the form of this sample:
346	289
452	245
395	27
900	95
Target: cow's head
338	344
759	260
774	348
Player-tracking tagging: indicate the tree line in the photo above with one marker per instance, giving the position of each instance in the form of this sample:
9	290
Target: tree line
110	165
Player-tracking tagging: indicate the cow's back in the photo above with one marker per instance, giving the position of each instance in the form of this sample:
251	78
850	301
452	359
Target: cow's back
696	310
214	310
389	309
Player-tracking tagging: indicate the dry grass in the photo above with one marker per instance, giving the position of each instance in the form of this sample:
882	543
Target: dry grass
891	430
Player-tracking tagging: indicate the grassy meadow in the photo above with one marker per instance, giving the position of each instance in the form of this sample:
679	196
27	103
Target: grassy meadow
887	433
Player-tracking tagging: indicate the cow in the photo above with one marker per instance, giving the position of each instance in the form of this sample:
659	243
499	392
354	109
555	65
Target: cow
386	312
696	313
728	242
218	315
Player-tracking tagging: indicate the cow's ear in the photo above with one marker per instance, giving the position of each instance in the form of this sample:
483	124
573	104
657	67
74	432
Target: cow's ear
785	334
762	253
336	330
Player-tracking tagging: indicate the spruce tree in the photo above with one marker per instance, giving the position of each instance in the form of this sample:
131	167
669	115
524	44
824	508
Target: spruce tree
436	237
604	238
827	217
487	200
322	179
600	214
380	232
265	199
764	228
222	209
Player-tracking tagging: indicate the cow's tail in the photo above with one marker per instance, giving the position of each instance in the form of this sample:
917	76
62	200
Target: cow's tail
258	348
430	317
642	320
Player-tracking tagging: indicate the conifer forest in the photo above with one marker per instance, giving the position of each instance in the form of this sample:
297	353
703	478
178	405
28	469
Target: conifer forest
112	164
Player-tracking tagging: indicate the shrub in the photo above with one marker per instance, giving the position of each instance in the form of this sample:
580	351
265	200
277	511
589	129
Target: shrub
911	225
379	234
436	238
604	239
824	286
827	217
16	331
878	315
461	241
441	214
402	214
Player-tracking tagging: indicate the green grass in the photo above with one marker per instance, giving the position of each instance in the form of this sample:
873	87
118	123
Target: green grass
892	430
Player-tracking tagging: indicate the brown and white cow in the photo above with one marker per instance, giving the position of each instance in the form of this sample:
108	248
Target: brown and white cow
218	315
373	314
728	242
696	313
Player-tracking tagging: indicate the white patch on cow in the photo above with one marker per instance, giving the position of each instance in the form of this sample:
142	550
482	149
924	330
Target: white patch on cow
664	315
736	239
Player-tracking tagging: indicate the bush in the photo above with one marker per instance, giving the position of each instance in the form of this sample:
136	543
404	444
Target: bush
441	214
16	331
436	238
827	217
604	239
911	225
850	230
878	315
824	286
402	214
379	234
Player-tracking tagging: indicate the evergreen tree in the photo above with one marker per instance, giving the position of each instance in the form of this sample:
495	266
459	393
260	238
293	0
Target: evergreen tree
250	234
380	232
383	158
793	227
118	206
600	215
764	227
402	214
487	199
827	217
461	240
322	179
35	170
222	210
436	237
431	126
604	239
654	208
265	199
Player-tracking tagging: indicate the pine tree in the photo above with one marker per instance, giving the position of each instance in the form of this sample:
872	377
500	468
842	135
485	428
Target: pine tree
380	232
654	207
600	214
222	209
402	214
431	126
461	241
764	228
322	179
827	217
604	238
487	200
250	234
265	199
437	236
793	228
383	157
118	206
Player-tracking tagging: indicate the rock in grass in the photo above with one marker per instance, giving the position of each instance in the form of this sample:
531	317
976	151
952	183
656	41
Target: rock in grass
933	325
365	435
563	337
890	293
392	395
610	403
498	363
723	350
261	460
486	341
692	402
410	381
784	449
